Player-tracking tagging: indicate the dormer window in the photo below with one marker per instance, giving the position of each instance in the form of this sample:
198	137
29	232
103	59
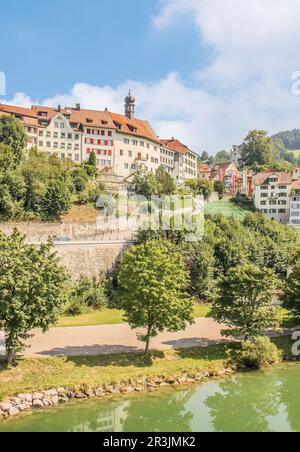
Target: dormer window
43	114
89	120
118	125
132	129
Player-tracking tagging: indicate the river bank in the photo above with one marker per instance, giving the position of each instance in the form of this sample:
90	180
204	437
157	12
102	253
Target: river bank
262	401
43	383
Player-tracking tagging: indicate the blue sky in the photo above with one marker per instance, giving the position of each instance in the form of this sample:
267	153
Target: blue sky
60	42
205	71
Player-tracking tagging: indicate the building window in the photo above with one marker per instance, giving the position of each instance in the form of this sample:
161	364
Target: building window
126	166
126	141
41	133
69	136
121	152
63	135
41	144
76	136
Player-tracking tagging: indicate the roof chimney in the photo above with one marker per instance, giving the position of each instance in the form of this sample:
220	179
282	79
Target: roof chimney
78	107
59	108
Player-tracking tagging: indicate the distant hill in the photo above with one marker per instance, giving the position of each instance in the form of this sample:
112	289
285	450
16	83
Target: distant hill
289	138
287	146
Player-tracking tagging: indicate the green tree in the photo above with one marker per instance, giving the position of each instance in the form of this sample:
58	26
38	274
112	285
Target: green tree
219	187
257	149
291	293
202	187
166	182
31	288
245	301
222	157
12	186
154	284
204	157
80	179
146	184
12	133
201	265
57	199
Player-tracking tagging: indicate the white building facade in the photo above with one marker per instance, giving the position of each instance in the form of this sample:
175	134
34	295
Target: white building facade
121	143
272	195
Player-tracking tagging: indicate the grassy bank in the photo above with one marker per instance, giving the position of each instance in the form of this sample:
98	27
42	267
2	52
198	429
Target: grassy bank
227	208
90	317
37	374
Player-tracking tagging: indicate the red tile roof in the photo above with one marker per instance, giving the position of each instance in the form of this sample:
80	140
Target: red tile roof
136	127
84	117
176	145
262	178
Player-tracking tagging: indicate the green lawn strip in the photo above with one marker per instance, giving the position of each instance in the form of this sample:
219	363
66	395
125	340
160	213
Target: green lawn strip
91	317
226	208
45	373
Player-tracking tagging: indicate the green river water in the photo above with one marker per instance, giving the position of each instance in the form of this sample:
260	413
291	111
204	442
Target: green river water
266	401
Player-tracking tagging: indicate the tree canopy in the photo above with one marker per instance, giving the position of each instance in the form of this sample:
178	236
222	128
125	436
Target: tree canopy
31	288
245	300
12	133
257	149
154	286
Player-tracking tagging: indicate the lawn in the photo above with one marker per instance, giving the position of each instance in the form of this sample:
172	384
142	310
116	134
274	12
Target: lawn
90	317
226	208
46	373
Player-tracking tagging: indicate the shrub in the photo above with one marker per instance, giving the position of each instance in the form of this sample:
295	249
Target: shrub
74	308
258	353
89	292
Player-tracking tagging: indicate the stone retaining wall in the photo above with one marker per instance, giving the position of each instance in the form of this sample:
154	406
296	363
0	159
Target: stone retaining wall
89	259
54	397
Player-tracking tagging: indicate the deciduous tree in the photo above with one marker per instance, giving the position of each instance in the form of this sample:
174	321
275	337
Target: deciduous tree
31	288
245	301
154	286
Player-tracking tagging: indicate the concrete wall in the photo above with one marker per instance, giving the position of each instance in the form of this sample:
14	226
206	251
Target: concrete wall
89	251
40	232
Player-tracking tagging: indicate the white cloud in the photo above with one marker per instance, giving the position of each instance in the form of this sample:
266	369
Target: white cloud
247	85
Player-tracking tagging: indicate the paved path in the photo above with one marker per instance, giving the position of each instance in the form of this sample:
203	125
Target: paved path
94	340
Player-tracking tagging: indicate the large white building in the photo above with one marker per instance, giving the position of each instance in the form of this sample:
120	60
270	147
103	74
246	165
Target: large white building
122	144
272	194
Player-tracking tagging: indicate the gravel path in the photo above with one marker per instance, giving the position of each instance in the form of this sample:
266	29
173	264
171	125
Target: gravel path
94	340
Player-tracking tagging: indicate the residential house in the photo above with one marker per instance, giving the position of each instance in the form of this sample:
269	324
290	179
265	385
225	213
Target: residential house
272	192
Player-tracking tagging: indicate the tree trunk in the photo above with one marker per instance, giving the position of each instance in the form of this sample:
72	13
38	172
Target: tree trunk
9	354
147	349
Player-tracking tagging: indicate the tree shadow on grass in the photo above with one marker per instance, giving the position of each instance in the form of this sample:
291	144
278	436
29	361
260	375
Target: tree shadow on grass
105	356
214	350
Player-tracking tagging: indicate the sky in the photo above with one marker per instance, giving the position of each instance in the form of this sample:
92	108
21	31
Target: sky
204	71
